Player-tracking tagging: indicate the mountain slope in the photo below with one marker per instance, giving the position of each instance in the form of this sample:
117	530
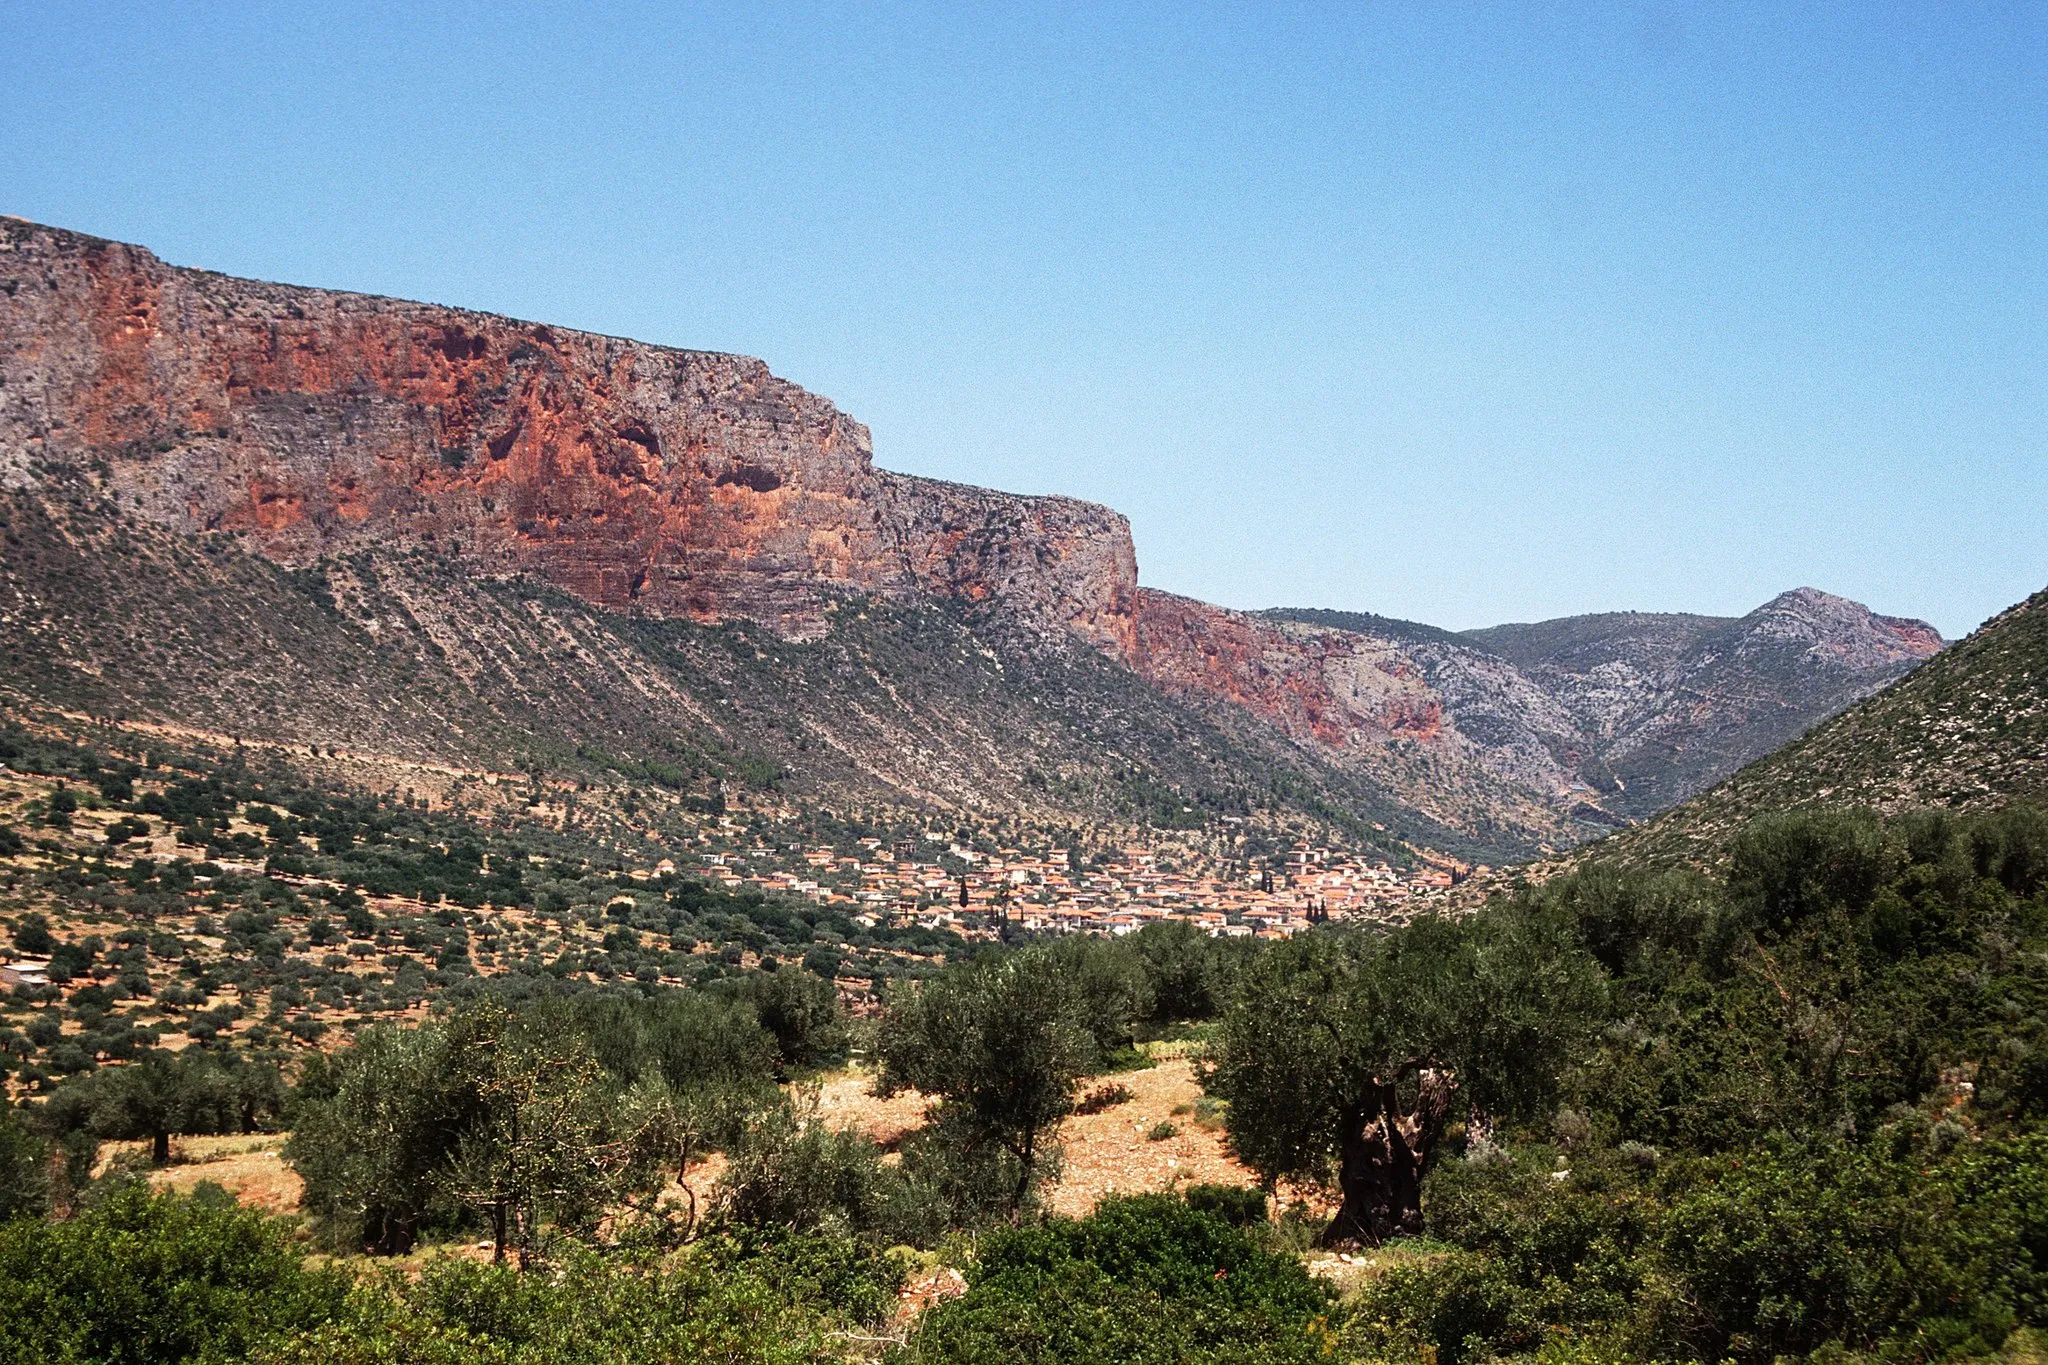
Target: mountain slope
1966	730
258	508
1668	704
913	703
1588	722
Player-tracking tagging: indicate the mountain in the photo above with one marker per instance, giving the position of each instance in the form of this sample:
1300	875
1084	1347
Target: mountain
1671	703
1967	730
1574	725
436	535
398	529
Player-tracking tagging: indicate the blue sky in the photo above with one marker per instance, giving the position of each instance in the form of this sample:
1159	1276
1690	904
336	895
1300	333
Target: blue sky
1461	313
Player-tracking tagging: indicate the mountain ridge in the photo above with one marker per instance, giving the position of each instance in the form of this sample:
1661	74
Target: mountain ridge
1966	731
400	455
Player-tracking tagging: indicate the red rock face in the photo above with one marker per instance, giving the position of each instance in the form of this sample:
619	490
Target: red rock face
639	477
1328	687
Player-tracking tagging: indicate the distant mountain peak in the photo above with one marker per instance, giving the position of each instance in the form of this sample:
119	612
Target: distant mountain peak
1847	633
1967	730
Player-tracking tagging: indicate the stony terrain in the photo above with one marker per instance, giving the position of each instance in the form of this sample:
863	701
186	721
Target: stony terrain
1670	703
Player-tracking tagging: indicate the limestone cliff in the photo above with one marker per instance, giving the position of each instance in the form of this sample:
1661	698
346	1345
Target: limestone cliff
392	446
668	482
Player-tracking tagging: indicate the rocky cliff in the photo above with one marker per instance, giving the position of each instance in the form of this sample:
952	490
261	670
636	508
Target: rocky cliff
1570	724
675	483
420	463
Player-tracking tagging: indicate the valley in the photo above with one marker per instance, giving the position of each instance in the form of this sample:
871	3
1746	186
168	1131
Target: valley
530	846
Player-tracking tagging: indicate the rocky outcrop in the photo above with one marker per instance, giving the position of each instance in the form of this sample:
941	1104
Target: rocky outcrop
677	483
332	428
1456	731
1968	731
1593	719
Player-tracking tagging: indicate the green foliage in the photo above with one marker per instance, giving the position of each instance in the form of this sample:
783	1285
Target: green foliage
1188	975
1810	1122
1110	984
1142	1281
1345	1050
791	1173
142	1279
539	1149
374	1143
801	1009
533	1119
1237	1205
161	1095
1001	1042
32	936
24	1166
721	1302
1883	1247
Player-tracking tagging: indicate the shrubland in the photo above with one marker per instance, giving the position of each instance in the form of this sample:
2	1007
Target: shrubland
1792	1108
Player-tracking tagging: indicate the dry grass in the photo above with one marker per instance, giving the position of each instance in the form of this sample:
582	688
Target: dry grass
1106	1153
250	1166
845	1101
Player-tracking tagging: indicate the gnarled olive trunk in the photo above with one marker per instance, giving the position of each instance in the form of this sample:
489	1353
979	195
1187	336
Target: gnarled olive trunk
1385	1153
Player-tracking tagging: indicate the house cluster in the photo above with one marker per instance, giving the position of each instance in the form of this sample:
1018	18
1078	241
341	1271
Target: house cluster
941	884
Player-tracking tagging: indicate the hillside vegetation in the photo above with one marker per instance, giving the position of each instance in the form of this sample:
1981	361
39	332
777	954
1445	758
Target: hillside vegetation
1968	730
911	707
1792	1110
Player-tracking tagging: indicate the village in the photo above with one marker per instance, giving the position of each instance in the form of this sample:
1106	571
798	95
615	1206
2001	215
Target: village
938	883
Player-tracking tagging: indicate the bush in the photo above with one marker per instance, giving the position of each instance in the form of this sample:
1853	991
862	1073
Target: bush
721	1302
801	1009
791	1171
1241	1206
1103	1097
140	1277
1141	1280
24	1166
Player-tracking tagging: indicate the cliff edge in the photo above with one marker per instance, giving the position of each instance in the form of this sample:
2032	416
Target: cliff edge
661	481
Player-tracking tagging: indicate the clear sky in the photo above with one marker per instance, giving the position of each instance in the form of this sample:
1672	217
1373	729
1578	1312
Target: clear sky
1466	314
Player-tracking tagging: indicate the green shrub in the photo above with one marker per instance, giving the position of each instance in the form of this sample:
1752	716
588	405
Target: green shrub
1143	1281
150	1279
24	1166
1241	1206
720	1303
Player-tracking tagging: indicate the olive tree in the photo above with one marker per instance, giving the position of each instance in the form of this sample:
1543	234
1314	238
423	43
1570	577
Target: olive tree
541	1145
160	1096
1000	1044
1349	1053
377	1127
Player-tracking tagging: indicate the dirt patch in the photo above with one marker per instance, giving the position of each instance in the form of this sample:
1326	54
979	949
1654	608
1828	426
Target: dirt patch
1112	1152
1106	1153
845	1101
248	1166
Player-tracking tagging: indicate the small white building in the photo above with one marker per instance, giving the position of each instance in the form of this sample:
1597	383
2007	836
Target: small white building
26	972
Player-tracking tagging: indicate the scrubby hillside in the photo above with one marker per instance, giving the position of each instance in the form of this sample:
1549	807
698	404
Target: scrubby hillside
1967	730
914	705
